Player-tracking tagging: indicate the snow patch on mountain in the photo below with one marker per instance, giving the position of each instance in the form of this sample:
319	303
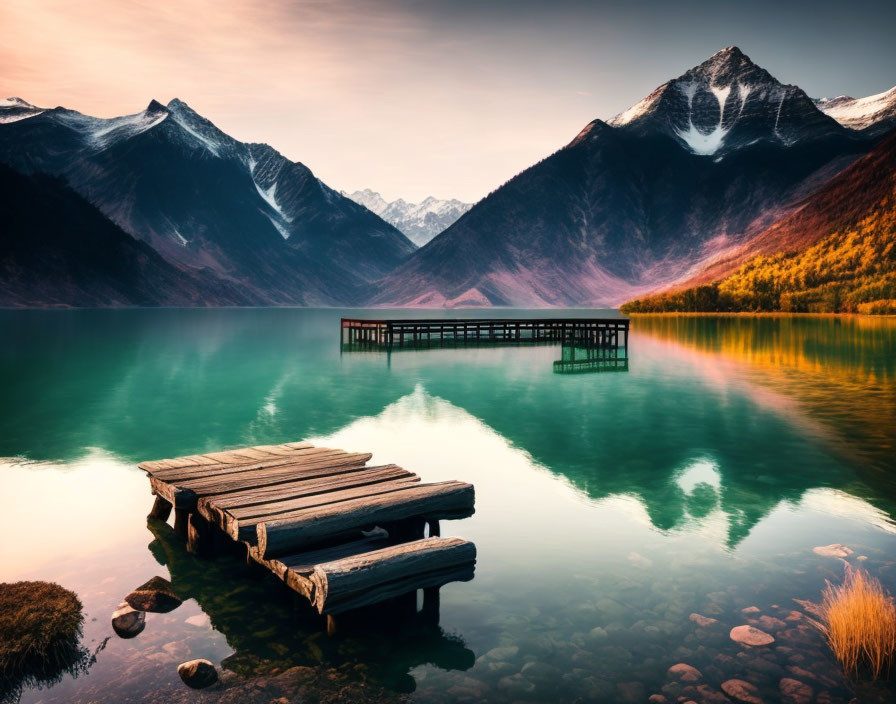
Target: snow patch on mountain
15	109
635	111
6	118
420	222
269	196
859	113
281	228
106	132
704	143
212	145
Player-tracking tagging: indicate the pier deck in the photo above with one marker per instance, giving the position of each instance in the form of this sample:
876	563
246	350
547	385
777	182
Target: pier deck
339	532
610	332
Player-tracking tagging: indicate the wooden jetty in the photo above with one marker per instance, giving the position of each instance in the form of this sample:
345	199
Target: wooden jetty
341	533
609	332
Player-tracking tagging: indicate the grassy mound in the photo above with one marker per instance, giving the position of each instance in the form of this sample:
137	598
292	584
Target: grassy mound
40	630
858	618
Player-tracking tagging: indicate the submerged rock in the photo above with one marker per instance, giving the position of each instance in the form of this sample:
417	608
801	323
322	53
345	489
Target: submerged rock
748	635
742	692
198	673
515	685
795	692
684	673
832	550
770	623
127	622
156	596
810	606
702	621
502	652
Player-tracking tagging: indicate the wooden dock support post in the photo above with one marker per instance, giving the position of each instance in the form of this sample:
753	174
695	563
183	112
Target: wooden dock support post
332	626
429	611
161	509
181	522
199	535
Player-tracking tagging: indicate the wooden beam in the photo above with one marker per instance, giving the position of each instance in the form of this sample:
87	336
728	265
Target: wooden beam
161	509
243	527
445	499
370	577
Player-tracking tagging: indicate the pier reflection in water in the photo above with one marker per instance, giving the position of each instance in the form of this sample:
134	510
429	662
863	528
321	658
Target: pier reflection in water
270	627
587	345
583	358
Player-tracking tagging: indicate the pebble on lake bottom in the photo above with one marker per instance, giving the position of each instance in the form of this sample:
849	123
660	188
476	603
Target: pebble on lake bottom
127	622
198	673
748	635
832	550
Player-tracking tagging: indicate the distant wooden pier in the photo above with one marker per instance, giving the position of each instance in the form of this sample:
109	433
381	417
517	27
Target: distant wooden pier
607	332
341	533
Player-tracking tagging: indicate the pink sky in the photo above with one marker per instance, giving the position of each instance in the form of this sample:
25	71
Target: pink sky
409	98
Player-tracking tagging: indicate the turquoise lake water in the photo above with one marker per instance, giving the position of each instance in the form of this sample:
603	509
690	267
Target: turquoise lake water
610	507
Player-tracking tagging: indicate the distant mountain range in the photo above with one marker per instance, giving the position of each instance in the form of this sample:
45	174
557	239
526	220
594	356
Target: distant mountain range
698	177
210	205
420	222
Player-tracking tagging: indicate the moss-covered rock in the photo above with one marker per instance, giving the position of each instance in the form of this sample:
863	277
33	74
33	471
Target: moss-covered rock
40	630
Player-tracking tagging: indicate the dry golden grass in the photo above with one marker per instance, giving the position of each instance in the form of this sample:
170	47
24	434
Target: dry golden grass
40	629
858	618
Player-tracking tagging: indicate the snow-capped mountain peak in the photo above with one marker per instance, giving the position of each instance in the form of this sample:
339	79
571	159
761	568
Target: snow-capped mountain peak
420	222
727	103
15	109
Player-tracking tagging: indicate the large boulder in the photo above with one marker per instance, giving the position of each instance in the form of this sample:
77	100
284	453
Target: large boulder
198	673
156	596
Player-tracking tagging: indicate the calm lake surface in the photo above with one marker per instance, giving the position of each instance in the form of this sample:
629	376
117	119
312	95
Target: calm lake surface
610	507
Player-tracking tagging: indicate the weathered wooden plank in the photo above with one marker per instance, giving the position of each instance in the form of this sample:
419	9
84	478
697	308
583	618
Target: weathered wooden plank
278	449
296	570
185	494
361	579
303	486
249	479
214	458
305	455
305	562
253	453
283	497
445	499
243	527
390	590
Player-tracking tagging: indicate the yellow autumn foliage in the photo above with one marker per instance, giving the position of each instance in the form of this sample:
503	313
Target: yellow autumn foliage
850	271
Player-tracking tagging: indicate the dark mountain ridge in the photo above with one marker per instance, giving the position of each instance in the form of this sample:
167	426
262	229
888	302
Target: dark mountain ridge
56	249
